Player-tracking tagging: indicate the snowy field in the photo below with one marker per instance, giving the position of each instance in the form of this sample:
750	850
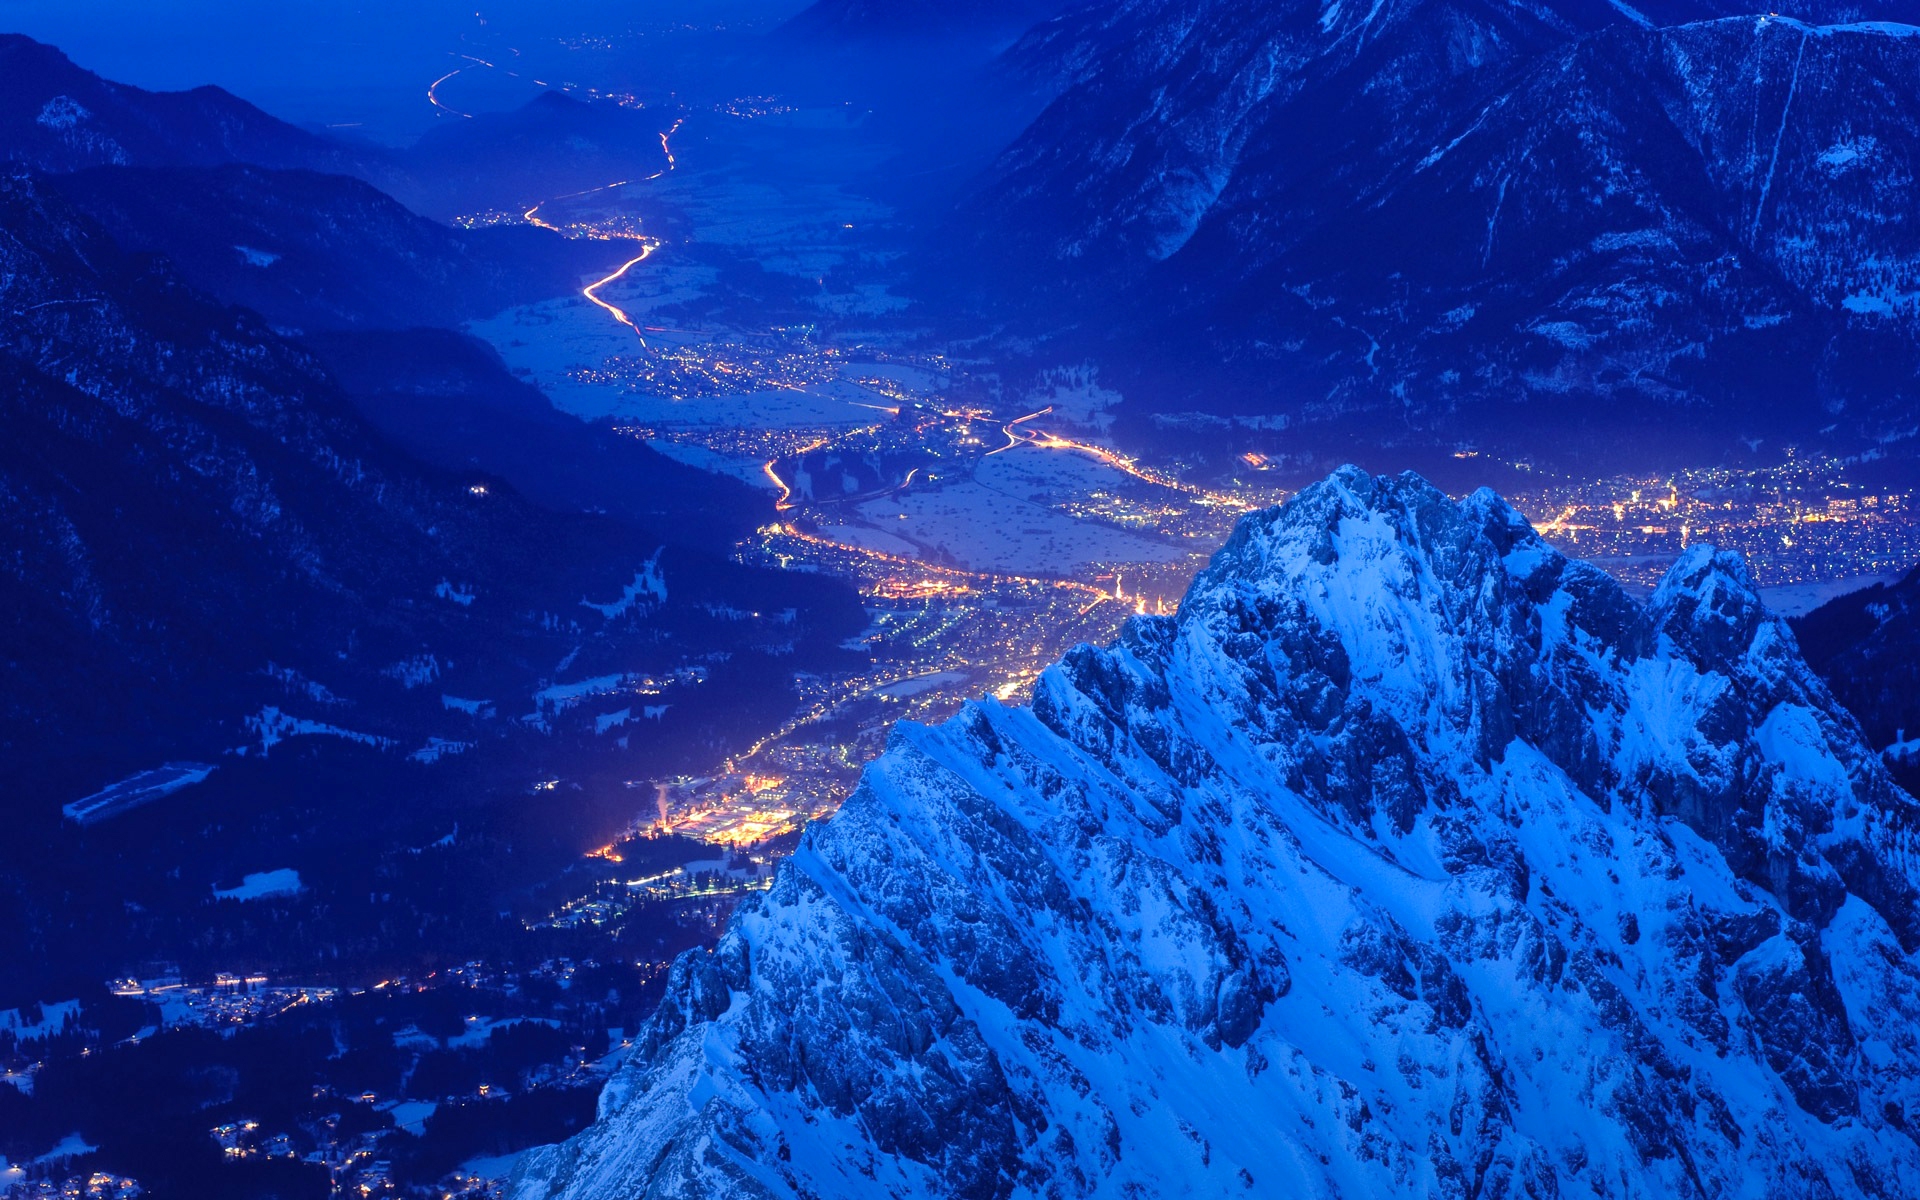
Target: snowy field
1030	471
773	189
746	470
986	530
261	885
869	538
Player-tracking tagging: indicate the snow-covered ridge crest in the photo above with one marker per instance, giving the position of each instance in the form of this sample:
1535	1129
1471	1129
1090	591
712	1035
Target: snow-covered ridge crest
1410	858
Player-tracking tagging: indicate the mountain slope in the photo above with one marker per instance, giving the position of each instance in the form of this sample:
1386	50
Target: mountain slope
448	399
1627	224
195	509
551	146
1410	858
1165	104
1460	213
325	252
1867	646
207	555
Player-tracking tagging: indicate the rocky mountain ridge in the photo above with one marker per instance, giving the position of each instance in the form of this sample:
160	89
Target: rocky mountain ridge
1410	858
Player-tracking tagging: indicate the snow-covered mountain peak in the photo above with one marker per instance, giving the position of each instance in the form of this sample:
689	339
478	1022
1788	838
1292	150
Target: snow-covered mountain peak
1410	858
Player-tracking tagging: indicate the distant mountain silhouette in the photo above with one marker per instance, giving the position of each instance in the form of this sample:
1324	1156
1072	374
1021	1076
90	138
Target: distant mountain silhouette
55	116
325	252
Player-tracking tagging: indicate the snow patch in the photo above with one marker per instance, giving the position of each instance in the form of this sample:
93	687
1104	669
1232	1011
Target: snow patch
135	790
262	884
52	1021
562	696
412	672
273	726
62	112
1843	156
1884	304
71	1146
438	748
410	1115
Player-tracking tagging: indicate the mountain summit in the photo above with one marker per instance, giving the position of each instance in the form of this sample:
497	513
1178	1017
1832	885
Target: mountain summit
1411	858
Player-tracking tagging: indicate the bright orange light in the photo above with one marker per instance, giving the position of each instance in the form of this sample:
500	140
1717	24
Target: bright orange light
618	314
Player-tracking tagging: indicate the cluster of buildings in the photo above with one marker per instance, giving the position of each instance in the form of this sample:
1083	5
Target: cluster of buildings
233	1000
1806	521
94	1185
606	903
692	369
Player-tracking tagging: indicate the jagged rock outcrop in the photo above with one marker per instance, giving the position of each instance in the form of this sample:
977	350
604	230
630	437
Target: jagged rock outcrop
1410	858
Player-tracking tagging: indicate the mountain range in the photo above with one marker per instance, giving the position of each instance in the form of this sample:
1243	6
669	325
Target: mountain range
58	117
1544	229
1410	858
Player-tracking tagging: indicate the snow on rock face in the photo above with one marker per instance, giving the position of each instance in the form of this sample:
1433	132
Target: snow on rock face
1410	858
1442	209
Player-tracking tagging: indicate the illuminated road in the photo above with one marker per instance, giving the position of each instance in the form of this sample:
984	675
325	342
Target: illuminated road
592	290
1015	666
989	577
990	630
1042	440
647	244
433	95
1014	436
433	89
785	500
532	215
